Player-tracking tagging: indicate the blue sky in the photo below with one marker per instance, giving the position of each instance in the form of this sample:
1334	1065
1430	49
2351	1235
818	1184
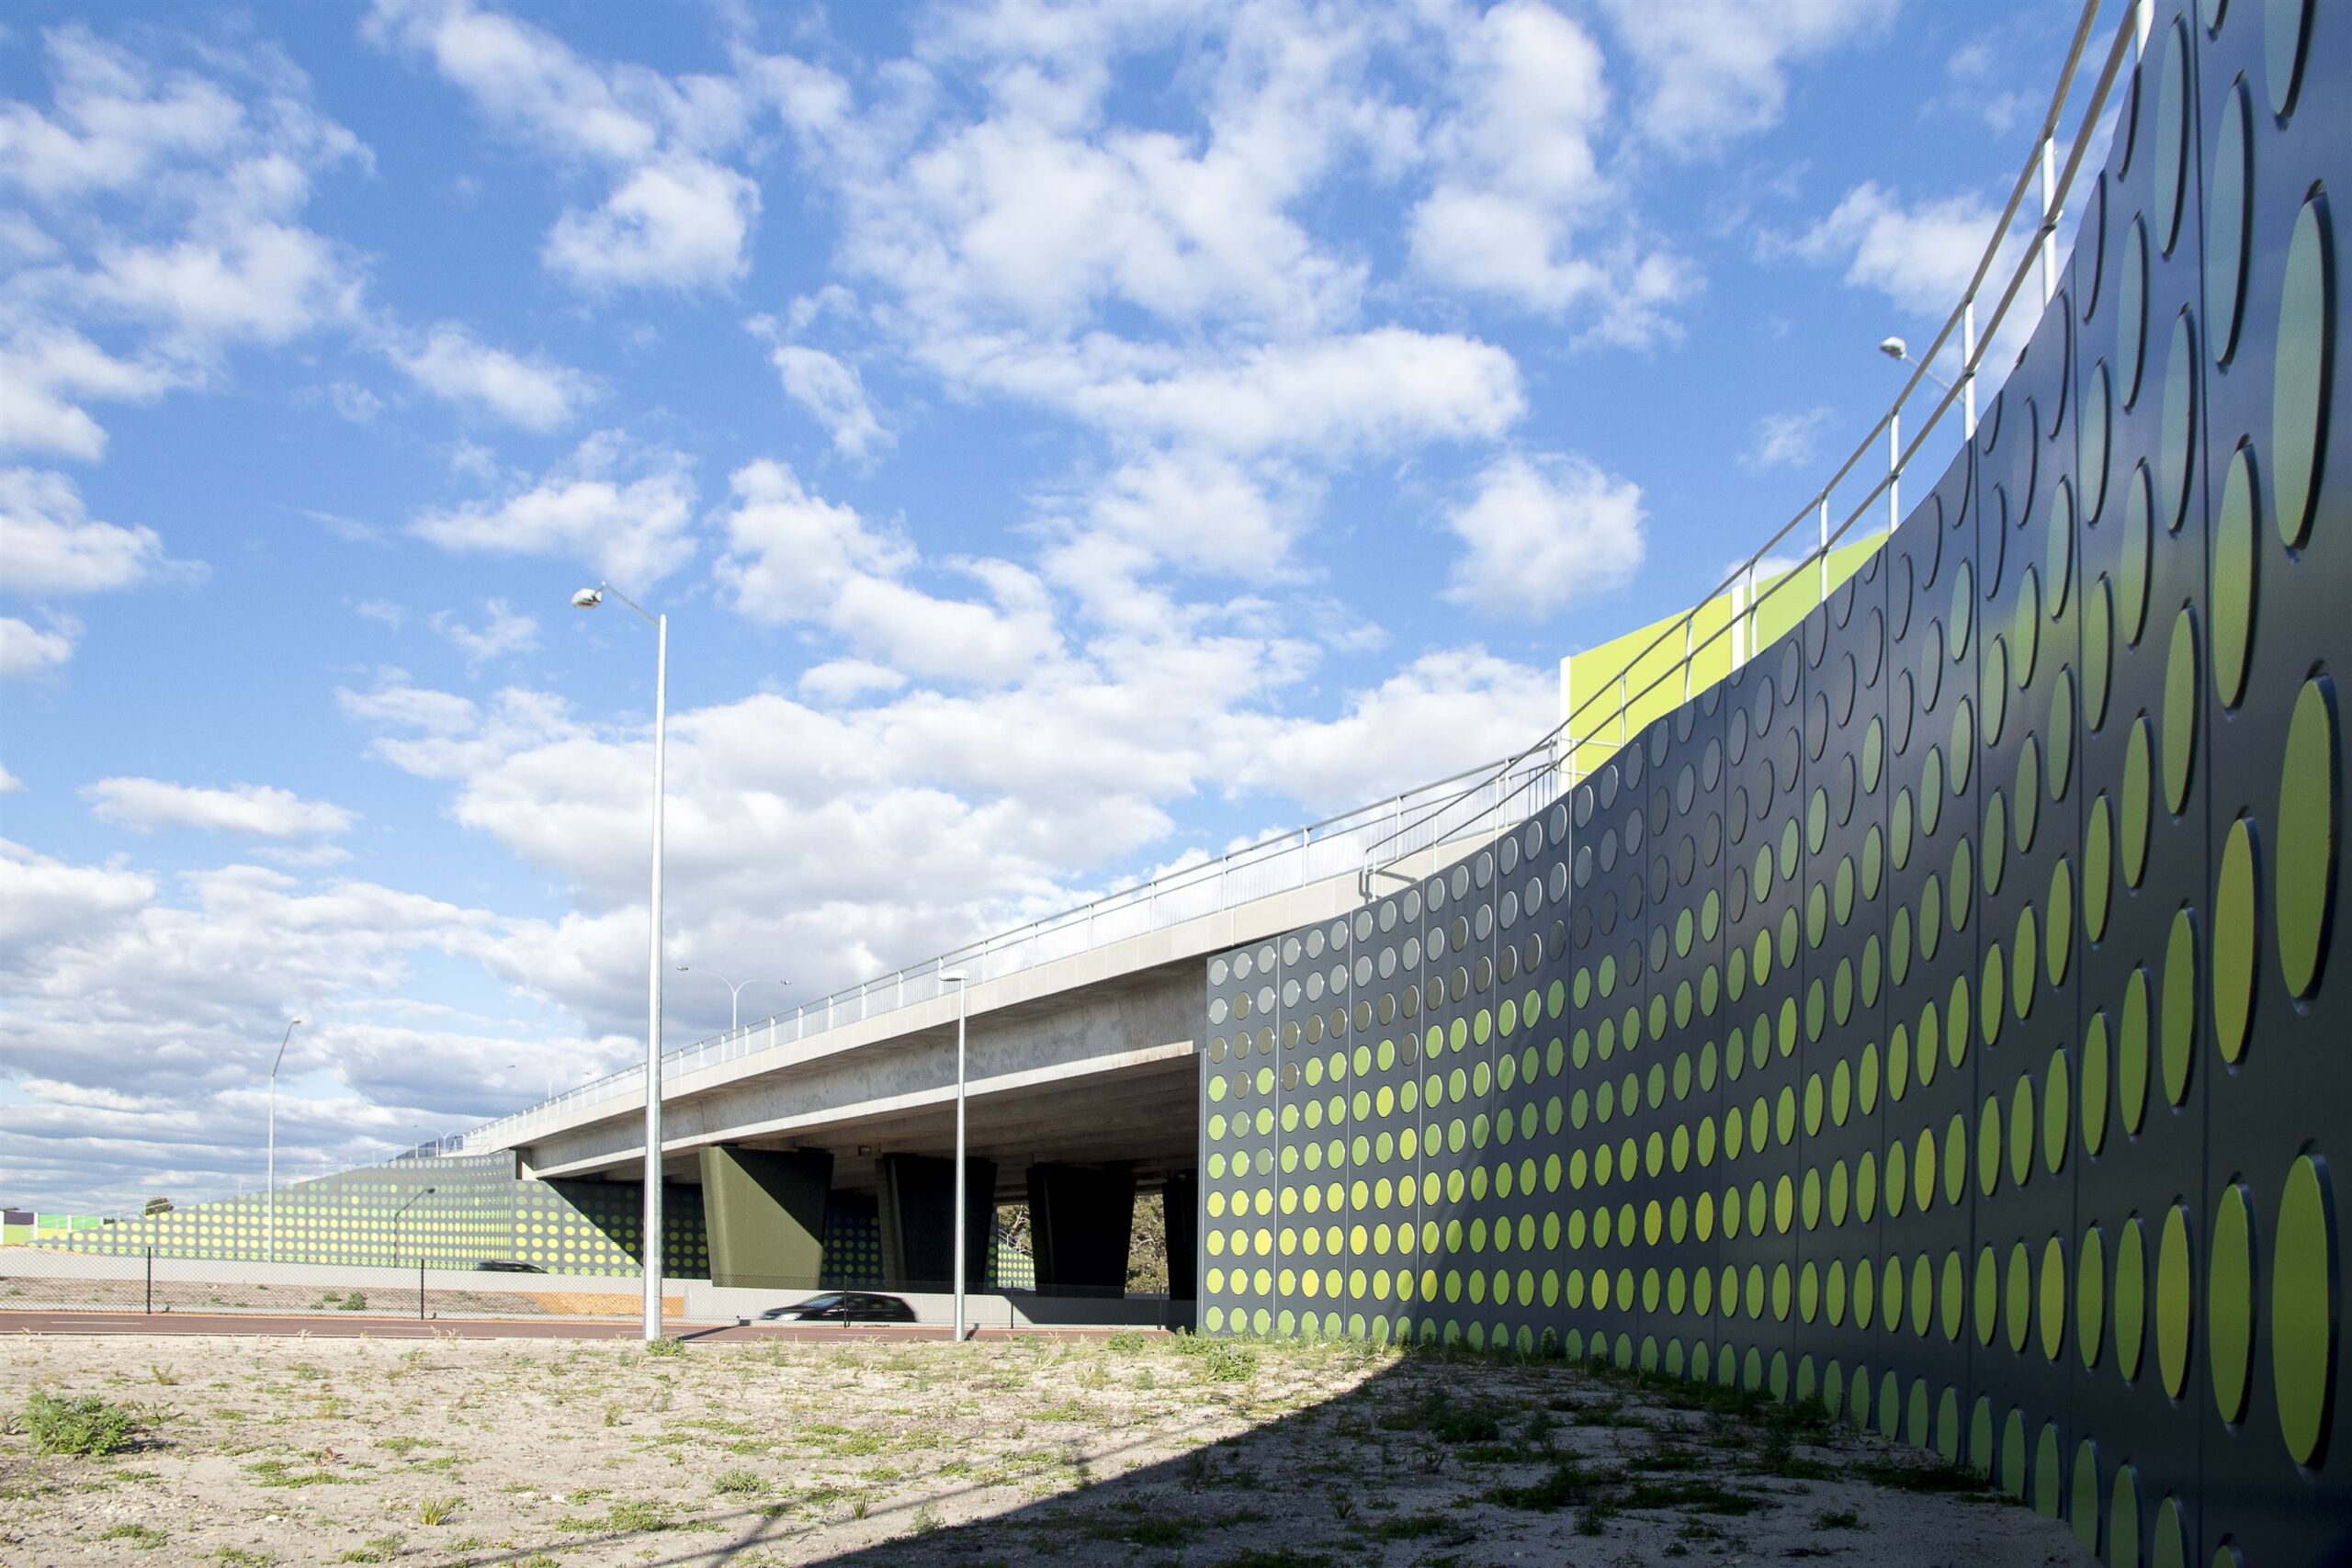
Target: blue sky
1067	440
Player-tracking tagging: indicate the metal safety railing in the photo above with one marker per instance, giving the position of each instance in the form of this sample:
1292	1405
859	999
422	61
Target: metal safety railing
1316	852
1587	725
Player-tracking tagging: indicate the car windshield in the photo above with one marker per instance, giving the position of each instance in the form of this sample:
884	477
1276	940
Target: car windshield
818	1303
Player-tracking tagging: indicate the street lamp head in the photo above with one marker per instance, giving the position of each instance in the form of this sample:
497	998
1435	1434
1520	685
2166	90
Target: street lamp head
1894	348
953	977
587	598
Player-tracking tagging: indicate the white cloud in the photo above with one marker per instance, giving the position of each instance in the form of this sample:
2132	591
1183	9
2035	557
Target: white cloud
1521	194
259	810
1374	391
622	509
382	611
26	649
847	680
831	389
1787	440
116	122
48	544
1717	69
211	253
452	363
794	557
45	899
675	217
1921	256
10	783
1537	536
681	223
505	632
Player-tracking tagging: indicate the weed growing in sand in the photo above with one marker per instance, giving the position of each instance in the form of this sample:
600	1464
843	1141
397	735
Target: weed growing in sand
437	1510
167	1376
139	1536
665	1348
88	1426
382	1548
739	1483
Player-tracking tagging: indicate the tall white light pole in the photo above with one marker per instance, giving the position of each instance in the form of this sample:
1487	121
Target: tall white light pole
734	994
961	981
273	1134
588	599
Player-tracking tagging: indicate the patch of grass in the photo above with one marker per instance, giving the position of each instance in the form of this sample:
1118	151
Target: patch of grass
437	1510
1126	1342
277	1472
1279	1557
238	1557
86	1426
1919	1477
355	1302
139	1536
1838	1519
1699	1496
381	1549
1437	1413
536	1560
1564	1486
1440	1530
1150	1530
739	1483
665	1348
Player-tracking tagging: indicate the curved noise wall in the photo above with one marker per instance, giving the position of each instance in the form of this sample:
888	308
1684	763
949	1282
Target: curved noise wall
1939	1017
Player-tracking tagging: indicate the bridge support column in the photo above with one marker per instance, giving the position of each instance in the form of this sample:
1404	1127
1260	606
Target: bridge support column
918	1222
1081	1220
765	1212
1182	1199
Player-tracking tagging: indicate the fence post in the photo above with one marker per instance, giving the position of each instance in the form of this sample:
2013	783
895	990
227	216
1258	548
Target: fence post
150	1281
420	1289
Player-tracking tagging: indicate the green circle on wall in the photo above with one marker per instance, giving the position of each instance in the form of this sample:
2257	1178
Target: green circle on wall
2301	371
2170	152
2308	792
2131	1052
2131	1298
2177	440
2178	1024
2123	1517
2090	1297
2098	858
2099	649
2094	1053
2139	764
2132	568
2232	595
2302	1309
2233	941
2169	1548
2180	710
2229	1302
2173	1301
2226	208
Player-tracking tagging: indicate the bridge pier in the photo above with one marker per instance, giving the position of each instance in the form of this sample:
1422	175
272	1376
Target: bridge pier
1182	1201
918	1203
763	1211
1081	1222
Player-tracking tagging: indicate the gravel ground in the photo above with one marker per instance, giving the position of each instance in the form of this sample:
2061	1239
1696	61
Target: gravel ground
1139	1450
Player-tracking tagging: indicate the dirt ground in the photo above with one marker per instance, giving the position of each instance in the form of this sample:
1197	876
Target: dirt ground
1133	1449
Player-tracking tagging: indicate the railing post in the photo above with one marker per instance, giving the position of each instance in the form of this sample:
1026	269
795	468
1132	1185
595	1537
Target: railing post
1825	548
2048	239
1967	368
1893	469
150	1281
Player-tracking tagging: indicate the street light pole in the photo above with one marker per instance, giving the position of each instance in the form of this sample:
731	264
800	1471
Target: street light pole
280	1057
397	1214
734	994
588	599
962	982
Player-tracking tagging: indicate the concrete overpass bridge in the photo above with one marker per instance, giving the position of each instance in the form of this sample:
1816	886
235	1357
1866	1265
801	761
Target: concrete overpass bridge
1083	1083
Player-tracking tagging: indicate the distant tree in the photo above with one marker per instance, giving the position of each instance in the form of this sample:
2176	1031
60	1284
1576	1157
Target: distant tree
159	1205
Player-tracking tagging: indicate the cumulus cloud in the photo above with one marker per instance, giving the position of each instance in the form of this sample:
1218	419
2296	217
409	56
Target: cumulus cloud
622	509
827	386
260	811
674	217
27	649
504	631
49	544
795	556
1717	69
1537	535
1787	440
451	363
1920	255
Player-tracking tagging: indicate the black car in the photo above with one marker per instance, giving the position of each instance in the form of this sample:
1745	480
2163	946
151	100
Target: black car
506	1266
843	1306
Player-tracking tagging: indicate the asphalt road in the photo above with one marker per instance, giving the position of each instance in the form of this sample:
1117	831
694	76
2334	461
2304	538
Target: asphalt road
350	1326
